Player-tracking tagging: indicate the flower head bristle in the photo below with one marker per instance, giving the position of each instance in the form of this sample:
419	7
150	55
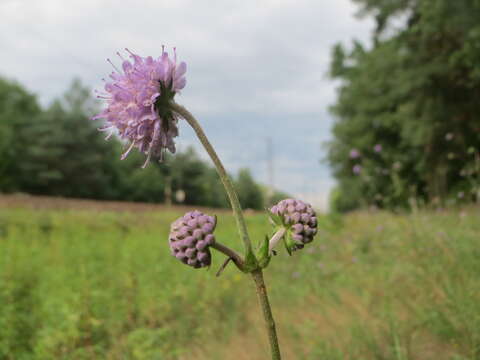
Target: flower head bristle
138	97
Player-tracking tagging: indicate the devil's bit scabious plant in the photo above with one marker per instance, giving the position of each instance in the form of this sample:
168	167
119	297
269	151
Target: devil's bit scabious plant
296	223
141	109
138	99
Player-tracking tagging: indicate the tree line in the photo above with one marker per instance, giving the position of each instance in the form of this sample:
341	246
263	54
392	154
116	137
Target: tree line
407	128
58	151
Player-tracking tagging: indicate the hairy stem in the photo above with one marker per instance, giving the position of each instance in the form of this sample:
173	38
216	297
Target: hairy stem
237	259
227	183
250	263
267	313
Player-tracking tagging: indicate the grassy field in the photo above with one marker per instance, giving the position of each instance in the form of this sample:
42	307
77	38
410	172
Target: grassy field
93	283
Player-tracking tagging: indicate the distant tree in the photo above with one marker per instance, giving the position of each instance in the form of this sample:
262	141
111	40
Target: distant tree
249	193
18	110
214	191
59	151
272	196
187	171
68	155
415	93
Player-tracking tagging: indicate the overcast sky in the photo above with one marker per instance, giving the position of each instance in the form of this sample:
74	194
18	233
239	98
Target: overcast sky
256	68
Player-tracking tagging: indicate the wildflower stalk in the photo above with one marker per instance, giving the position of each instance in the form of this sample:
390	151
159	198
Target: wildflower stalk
237	259
267	313
250	262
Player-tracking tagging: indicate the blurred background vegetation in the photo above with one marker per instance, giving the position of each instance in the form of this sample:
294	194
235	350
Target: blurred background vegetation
58	151
407	127
93	284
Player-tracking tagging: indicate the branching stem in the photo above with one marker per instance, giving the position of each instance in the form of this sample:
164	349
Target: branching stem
227	183
237	259
249	263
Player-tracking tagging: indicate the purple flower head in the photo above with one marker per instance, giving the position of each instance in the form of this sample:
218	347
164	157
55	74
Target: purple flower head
377	148
449	136
357	169
298	218
354	154
138	98
190	238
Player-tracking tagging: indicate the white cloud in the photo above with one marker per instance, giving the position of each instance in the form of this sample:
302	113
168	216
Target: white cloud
255	68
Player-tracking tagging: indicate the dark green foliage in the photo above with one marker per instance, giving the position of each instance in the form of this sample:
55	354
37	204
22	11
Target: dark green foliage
415	91
66	155
18	109
59	151
275	197
249	193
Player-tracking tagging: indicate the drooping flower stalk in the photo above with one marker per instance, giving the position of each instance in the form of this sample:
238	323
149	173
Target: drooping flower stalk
250	261
251	264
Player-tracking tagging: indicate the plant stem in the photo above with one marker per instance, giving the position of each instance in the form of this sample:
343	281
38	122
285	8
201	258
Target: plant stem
227	183
267	313
250	262
237	259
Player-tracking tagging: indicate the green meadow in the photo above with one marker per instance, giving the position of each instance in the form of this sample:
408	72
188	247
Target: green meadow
96	284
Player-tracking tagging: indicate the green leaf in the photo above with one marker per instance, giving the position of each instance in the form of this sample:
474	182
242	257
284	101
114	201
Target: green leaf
251	262
263	253
287	242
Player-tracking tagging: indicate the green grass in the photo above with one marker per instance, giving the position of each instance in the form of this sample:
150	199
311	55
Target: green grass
103	285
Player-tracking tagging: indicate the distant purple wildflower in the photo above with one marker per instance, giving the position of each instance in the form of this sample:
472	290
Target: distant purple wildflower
357	169
137	103
449	136
354	153
377	148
